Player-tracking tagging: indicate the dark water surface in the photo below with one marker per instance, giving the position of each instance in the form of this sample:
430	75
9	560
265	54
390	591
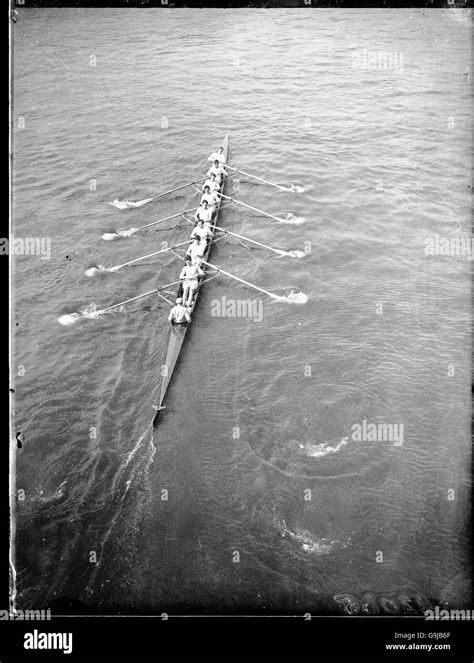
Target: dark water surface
252	493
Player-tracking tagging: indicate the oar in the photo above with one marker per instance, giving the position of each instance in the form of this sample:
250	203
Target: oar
71	318
295	253
115	268
298	298
255	209
131	231
123	204
260	179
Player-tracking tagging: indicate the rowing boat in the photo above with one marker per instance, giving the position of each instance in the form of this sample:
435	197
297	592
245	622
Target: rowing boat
178	332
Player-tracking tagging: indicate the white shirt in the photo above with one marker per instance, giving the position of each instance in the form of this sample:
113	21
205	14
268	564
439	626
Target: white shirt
212	198
203	232
217	155
204	214
212	184
179	313
218	171
196	250
191	272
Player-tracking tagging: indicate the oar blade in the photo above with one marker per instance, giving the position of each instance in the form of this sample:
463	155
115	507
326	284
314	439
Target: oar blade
108	237
97	269
90	312
297	297
119	204
296	253
127	233
129	204
69	319
292	220
140	203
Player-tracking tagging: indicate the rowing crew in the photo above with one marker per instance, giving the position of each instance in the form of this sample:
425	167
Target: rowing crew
201	236
190	273
189	276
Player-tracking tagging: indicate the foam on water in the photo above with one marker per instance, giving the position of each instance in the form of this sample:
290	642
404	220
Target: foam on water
323	449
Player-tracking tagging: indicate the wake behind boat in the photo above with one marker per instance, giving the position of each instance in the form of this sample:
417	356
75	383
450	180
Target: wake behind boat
197	268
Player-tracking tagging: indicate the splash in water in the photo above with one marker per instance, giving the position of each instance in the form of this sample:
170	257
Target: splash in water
390	605
97	269
293	220
369	605
293	188
119	233
68	319
323	449
126	204
348	603
295	296
90	312
309	542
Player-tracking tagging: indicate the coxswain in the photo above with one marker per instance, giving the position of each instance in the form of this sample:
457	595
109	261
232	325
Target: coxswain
204	212
218	156
203	231
189	275
218	170
212	183
196	249
179	314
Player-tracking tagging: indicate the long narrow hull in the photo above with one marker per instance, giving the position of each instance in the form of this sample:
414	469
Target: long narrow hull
178	332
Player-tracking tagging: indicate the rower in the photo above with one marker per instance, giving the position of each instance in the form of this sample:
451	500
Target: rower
189	275
203	231
218	169
196	249
204	212
179	314
212	197
218	156
212	183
